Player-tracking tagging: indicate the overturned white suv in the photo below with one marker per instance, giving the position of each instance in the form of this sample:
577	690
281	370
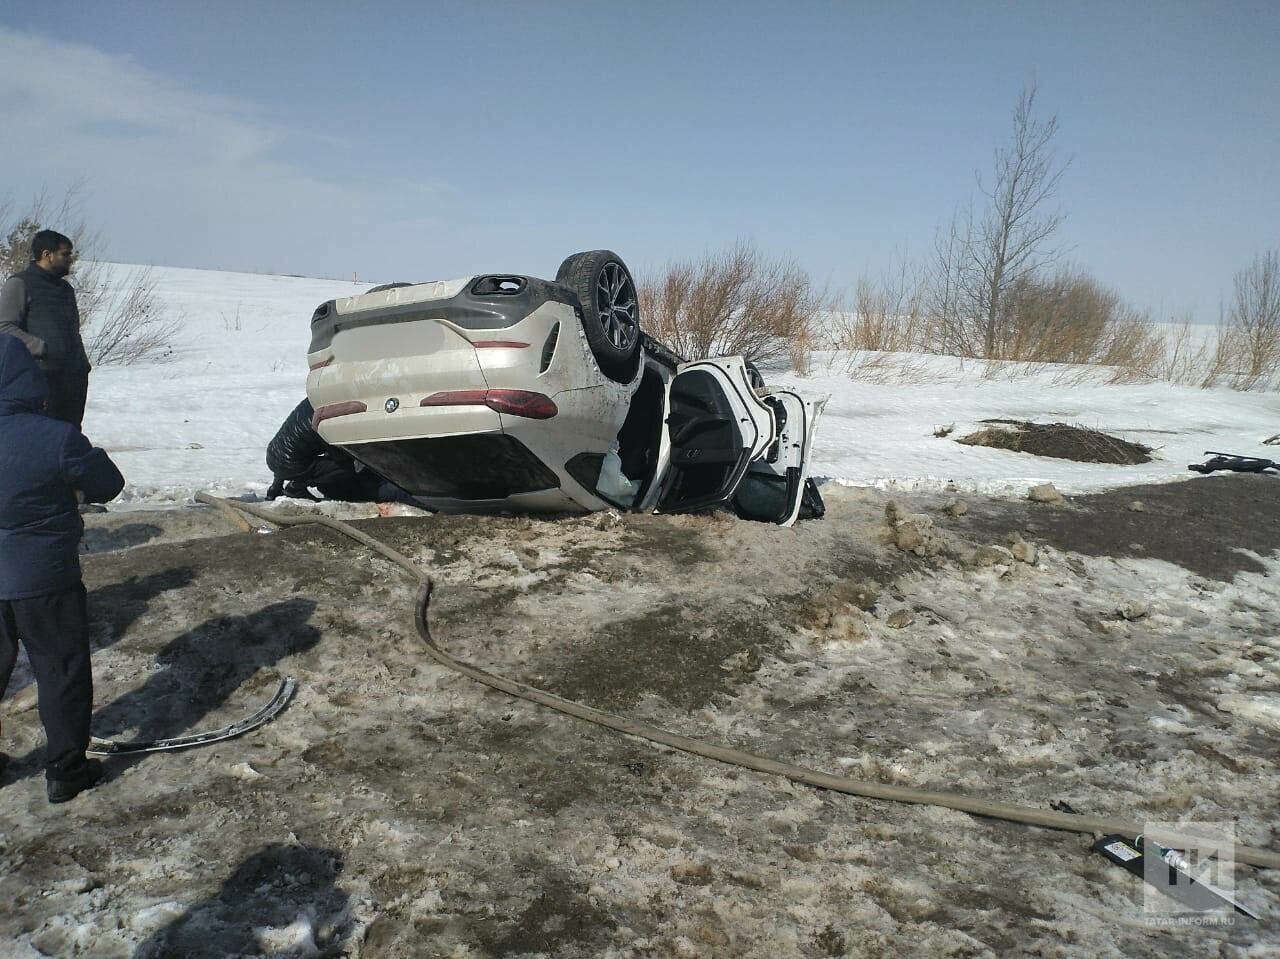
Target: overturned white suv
501	392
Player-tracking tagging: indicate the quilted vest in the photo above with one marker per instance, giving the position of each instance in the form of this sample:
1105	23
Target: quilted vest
52	315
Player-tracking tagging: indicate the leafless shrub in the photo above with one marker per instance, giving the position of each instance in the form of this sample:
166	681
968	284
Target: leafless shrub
1185	353
731	303
130	326
120	323
1132	349
887	314
1253	320
1231	360
800	350
1224	362
1063	318
1070	318
1208	356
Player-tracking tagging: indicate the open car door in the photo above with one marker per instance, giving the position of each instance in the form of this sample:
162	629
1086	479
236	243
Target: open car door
717	427
773	488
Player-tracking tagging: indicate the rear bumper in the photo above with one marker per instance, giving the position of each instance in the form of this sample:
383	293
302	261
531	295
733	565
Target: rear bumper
376	425
467	468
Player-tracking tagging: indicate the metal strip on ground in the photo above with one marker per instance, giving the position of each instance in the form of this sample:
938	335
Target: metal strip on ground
106	747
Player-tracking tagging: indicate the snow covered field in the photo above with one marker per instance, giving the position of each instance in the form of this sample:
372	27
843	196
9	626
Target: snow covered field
1117	652
202	420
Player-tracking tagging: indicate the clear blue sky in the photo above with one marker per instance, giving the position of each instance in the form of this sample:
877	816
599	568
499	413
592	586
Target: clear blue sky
418	140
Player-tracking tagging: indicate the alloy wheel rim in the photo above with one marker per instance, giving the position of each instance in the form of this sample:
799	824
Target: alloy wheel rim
616	302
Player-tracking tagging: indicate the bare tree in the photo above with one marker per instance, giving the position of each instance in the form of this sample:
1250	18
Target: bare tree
1253	319
121	319
986	253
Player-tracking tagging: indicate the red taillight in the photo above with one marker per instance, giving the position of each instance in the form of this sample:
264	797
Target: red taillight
336	409
456	398
321	364
533	406
521	403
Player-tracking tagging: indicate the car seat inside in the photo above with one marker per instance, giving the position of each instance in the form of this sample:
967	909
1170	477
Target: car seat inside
641	435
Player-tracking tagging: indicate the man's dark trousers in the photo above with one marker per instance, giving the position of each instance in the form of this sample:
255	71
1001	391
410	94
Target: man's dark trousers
68	390
55	631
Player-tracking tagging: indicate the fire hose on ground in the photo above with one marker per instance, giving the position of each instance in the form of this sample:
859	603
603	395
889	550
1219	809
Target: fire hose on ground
1073	822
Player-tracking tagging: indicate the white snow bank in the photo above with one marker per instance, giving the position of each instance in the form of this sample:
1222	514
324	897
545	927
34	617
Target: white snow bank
202	419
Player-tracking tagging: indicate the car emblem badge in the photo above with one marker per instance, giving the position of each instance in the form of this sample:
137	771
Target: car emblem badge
391	405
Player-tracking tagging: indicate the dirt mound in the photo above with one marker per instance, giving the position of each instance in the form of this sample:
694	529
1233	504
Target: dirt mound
1059	440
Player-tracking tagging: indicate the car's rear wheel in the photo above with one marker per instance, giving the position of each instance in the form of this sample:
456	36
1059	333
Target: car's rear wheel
610	309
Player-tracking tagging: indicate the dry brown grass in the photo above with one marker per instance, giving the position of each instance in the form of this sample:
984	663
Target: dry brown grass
900	368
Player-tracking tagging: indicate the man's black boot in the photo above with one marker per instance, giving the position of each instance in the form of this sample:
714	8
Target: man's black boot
296	490
62	790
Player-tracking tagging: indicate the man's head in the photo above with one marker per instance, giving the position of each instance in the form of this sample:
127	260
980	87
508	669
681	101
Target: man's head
52	252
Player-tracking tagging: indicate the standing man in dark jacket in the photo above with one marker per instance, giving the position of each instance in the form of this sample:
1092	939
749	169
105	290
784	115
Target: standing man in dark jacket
38	306
46	468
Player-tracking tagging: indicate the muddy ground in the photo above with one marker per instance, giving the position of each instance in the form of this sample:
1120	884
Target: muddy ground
1126	662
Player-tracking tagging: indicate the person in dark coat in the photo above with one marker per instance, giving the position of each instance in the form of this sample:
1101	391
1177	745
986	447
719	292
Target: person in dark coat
47	468
38	306
298	458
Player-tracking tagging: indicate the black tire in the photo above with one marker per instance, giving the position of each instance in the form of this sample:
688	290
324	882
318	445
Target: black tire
610	309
